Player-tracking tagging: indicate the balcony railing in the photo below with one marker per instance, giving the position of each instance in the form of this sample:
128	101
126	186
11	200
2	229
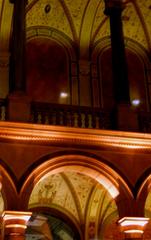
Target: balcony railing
73	116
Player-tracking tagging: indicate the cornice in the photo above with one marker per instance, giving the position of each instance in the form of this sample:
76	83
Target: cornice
69	136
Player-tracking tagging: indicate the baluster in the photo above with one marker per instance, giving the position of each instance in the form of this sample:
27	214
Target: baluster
83	120
68	118
3	113
97	121
46	119
43	117
75	119
35	116
79	119
64	118
89	121
61	117
86	119
50	116
39	118
57	116
93	120
72	118
54	117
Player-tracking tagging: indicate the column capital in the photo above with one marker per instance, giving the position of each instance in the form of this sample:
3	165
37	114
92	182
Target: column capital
14	1
112	5
133	227
14	223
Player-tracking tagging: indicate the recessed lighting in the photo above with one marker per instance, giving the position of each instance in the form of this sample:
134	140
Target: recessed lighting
63	94
134	231
135	102
130	221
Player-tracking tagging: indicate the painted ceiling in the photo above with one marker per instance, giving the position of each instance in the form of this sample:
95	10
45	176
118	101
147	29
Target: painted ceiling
76	195
82	21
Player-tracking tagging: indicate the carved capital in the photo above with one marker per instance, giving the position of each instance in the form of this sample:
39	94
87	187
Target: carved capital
111	5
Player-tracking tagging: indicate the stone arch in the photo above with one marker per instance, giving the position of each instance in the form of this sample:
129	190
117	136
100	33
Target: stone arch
89	166
9	194
52	33
143	190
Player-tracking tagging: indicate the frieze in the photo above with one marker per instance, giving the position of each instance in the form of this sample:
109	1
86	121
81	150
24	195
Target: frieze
99	139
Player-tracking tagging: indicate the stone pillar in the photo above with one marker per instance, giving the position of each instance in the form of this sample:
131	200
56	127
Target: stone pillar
14	225
17	71
19	102
125	118
114	8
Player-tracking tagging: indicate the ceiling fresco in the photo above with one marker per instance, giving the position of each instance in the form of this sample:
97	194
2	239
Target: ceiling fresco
83	21
78	196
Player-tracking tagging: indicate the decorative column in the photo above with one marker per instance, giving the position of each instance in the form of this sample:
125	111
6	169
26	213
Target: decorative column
14	225
18	101
18	71
126	119
114	8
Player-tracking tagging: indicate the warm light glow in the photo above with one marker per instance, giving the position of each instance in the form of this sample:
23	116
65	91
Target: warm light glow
63	94
135	102
103	180
13	215
133	231
130	221
16	226
114	192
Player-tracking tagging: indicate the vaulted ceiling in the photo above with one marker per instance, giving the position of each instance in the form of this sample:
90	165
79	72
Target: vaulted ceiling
82	21
76	195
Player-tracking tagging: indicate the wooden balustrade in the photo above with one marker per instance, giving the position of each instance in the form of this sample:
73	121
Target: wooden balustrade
73	116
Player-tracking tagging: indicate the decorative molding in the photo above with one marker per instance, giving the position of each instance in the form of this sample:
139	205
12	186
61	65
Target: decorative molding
102	139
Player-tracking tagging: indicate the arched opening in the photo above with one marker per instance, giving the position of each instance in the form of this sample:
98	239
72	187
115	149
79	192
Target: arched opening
79	198
81	188
47	71
8	188
136	76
